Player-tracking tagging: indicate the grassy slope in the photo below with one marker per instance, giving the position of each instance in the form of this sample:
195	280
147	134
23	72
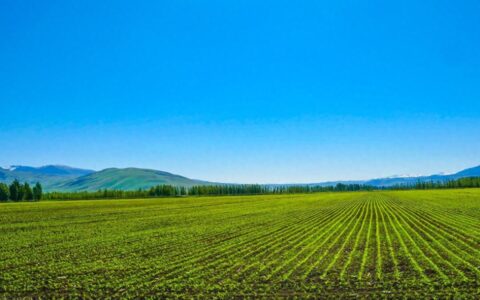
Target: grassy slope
125	179
415	243
47	180
49	176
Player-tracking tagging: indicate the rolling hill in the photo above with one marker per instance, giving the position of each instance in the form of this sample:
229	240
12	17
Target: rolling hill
49	176
126	179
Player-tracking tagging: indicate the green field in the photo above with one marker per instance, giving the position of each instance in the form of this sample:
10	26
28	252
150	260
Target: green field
414	243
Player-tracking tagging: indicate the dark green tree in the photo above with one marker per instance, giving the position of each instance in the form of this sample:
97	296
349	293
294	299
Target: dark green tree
15	191
4	192
21	193
37	192
27	192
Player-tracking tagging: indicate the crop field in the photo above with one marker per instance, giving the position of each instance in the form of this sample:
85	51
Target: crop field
359	244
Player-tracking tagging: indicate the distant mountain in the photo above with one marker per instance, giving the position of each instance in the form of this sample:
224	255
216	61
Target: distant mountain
472	172
49	176
52	170
405	179
126	179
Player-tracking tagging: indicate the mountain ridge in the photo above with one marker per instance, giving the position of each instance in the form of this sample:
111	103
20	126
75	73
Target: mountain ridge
65	178
48	175
127	179
400	180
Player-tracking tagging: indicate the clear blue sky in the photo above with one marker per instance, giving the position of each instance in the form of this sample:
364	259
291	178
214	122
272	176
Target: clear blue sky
242	91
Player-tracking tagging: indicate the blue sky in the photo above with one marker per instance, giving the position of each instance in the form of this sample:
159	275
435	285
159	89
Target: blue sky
242	91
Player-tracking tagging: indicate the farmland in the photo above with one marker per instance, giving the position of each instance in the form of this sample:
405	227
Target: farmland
404	243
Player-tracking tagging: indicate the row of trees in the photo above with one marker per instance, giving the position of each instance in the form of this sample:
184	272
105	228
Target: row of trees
23	192
467	182
20	192
159	191
301	189
201	190
156	191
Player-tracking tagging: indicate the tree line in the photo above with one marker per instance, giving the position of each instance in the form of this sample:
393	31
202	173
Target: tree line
20	192
202	190
23	192
252	189
467	182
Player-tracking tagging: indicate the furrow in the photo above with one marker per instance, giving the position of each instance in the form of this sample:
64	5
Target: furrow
333	243
340	251
352	252
366	247
404	247
304	249
427	232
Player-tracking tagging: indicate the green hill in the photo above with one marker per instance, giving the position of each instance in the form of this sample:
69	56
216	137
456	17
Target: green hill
125	179
49	176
